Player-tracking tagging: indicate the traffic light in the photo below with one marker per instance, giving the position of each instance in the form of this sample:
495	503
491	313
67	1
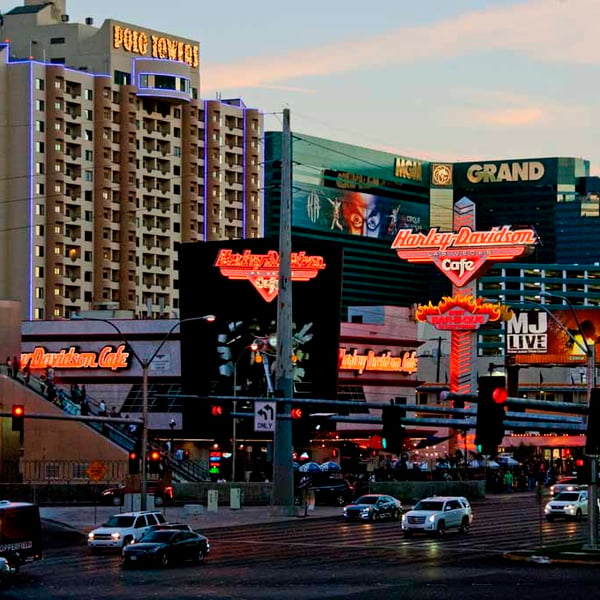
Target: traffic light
491	398
18	416
592	439
154	465
134	463
392	432
221	424
582	464
301	427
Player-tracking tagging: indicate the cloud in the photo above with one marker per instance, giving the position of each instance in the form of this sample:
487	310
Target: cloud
542	30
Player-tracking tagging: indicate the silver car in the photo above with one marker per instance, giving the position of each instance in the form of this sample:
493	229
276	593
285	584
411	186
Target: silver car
568	505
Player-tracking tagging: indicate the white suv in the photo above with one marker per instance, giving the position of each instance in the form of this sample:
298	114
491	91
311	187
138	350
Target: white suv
122	529
437	514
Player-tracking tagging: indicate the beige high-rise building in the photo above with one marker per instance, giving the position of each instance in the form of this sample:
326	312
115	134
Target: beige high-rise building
108	160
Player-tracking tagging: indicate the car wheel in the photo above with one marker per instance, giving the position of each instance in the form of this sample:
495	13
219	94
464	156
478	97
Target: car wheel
465	526
578	515
441	529
163	560
199	556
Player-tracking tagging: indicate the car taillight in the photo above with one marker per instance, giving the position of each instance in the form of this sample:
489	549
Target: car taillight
169	491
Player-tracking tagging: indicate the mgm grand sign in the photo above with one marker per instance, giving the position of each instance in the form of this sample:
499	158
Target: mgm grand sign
505	172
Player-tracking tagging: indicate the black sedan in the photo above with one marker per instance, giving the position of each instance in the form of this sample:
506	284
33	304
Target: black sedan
165	546
373	507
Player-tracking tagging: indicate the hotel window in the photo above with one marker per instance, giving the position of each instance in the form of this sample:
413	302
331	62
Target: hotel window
39	147
58	126
40	210
58	147
39	189
88	175
39	293
57	270
57	250
39	271
88	114
58	105
89	95
176	151
39	168
39	126
40	105
88	135
39	251
57	291
89	155
39	84
57	167
39	230
58	188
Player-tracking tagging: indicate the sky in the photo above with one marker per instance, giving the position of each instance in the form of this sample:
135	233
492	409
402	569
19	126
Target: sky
444	80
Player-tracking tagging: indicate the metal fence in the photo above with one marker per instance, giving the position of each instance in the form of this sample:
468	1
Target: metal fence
72	471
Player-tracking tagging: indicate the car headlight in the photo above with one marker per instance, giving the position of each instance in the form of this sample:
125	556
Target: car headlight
431	518
91	535
115	536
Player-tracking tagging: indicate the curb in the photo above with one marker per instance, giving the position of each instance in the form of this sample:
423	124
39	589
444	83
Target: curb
545	560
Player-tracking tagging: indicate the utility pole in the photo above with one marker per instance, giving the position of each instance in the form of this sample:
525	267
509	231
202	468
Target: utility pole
282	494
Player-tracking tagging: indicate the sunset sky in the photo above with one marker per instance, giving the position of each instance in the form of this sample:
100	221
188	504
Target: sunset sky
435	79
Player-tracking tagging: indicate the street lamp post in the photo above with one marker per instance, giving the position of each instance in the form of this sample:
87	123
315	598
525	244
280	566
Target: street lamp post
589	351
145	363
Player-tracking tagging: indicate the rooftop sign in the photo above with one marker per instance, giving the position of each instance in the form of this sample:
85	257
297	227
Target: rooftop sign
463	255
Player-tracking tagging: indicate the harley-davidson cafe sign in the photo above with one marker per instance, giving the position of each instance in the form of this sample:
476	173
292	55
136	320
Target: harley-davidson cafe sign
465	254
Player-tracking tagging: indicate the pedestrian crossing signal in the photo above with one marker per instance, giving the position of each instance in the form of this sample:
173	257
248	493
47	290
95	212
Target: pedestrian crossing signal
18	415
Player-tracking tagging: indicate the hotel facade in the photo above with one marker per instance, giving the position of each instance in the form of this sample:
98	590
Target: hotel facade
109	160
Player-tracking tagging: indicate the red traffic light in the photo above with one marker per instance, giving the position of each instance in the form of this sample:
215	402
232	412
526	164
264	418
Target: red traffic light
154	455
216	410
133	456
18	410
579	462
499	395
296	413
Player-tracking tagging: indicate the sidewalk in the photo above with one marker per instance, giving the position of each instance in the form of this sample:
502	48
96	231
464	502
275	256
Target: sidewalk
86	518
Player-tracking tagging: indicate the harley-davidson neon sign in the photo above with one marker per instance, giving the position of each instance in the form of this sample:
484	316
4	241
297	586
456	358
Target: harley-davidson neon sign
262	270
70	358
460	313
466	254
405	363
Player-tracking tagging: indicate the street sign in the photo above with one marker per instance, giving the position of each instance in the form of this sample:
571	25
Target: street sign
264	416
96	470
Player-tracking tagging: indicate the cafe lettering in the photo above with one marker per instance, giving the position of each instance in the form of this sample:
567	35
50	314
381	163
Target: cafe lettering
156	46
405	363
70	358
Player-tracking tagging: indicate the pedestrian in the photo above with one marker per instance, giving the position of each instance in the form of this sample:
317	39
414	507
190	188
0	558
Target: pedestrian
26	374
82	393
85	408
16	366
179	454
508	481
113	412
9	366
102	409
60	398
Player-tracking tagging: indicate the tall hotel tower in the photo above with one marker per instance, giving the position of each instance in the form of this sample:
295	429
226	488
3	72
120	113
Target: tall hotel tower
108	160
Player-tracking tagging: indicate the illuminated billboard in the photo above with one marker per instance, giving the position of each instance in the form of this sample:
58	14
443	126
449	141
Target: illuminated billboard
218	355
561	337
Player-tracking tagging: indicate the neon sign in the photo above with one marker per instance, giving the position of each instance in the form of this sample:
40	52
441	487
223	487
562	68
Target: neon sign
405	363
463	255
262	270
516	171
139	42
107	358
461	313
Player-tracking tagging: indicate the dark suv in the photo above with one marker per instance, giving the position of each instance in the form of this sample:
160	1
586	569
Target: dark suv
335	492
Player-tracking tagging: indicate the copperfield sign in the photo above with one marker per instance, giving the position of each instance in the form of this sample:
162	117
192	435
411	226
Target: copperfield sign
465	254
262	270
406	362
70	358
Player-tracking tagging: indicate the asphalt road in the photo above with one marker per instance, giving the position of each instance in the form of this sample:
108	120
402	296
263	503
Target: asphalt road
327	558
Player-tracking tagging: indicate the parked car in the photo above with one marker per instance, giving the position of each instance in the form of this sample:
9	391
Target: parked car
437	514
123	529
568	505
163	547
115	496
373	507
337	492
566	484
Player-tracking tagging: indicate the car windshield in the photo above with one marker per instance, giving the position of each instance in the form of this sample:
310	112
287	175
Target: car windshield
120	521
367	500
429	505
570	496
159	536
